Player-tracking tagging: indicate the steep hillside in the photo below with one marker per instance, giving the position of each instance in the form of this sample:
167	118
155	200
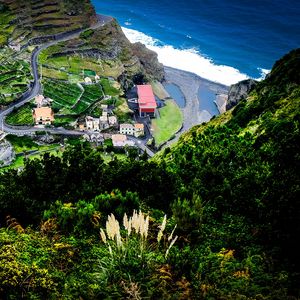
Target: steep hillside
246	162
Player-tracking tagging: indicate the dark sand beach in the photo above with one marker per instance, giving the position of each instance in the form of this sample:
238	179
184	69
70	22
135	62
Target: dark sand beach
203	98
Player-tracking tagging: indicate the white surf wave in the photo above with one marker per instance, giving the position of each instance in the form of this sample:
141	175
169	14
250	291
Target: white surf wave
189	60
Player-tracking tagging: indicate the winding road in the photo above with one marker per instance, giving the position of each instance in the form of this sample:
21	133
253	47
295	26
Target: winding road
36	87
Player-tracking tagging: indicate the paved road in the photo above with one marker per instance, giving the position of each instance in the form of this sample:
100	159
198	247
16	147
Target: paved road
36	86
141	145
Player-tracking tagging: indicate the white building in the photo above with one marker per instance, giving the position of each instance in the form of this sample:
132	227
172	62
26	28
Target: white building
112	120
127	129
88	80
136	130
92	123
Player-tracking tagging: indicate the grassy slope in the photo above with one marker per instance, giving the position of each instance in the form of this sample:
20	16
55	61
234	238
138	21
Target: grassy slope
168	123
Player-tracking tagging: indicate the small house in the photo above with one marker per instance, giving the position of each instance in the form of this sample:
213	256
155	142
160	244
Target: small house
41	101
88	80
119	140
43	116
139	129
112	120
136	130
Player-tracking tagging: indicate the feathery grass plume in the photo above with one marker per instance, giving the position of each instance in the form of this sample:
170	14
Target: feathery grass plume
103	235
135	221
129	226
171	235
113	229
162	228
125	221
171	245
146	227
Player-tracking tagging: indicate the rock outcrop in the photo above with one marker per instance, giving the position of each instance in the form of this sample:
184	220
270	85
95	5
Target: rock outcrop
148	60
239	91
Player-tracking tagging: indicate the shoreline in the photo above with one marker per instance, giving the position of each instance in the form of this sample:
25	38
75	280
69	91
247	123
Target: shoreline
189	84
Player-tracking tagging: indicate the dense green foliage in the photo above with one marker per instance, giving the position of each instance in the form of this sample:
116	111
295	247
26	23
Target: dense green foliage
231	186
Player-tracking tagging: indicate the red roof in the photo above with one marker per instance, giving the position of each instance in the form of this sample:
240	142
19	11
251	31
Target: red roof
146	97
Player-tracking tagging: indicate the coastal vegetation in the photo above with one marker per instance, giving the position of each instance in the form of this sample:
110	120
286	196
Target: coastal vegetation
229	190
23	144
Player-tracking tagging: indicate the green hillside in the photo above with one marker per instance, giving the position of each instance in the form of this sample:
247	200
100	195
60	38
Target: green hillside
230	190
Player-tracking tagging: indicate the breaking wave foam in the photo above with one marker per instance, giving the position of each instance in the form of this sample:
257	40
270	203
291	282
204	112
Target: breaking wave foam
189	60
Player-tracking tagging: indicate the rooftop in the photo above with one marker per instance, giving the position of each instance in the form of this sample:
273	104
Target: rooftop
145	96
119	138
139	126
125	125
44	112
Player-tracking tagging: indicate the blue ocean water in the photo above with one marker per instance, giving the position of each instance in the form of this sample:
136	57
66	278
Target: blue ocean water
228	39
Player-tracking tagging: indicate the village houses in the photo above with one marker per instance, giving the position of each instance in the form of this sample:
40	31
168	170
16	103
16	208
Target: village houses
97	124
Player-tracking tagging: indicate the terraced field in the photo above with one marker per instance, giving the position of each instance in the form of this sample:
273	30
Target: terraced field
63	94
42	18
92	94
21	116
6	28
15	78
68	98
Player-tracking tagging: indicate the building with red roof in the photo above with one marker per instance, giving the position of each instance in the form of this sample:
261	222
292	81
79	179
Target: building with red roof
146	100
